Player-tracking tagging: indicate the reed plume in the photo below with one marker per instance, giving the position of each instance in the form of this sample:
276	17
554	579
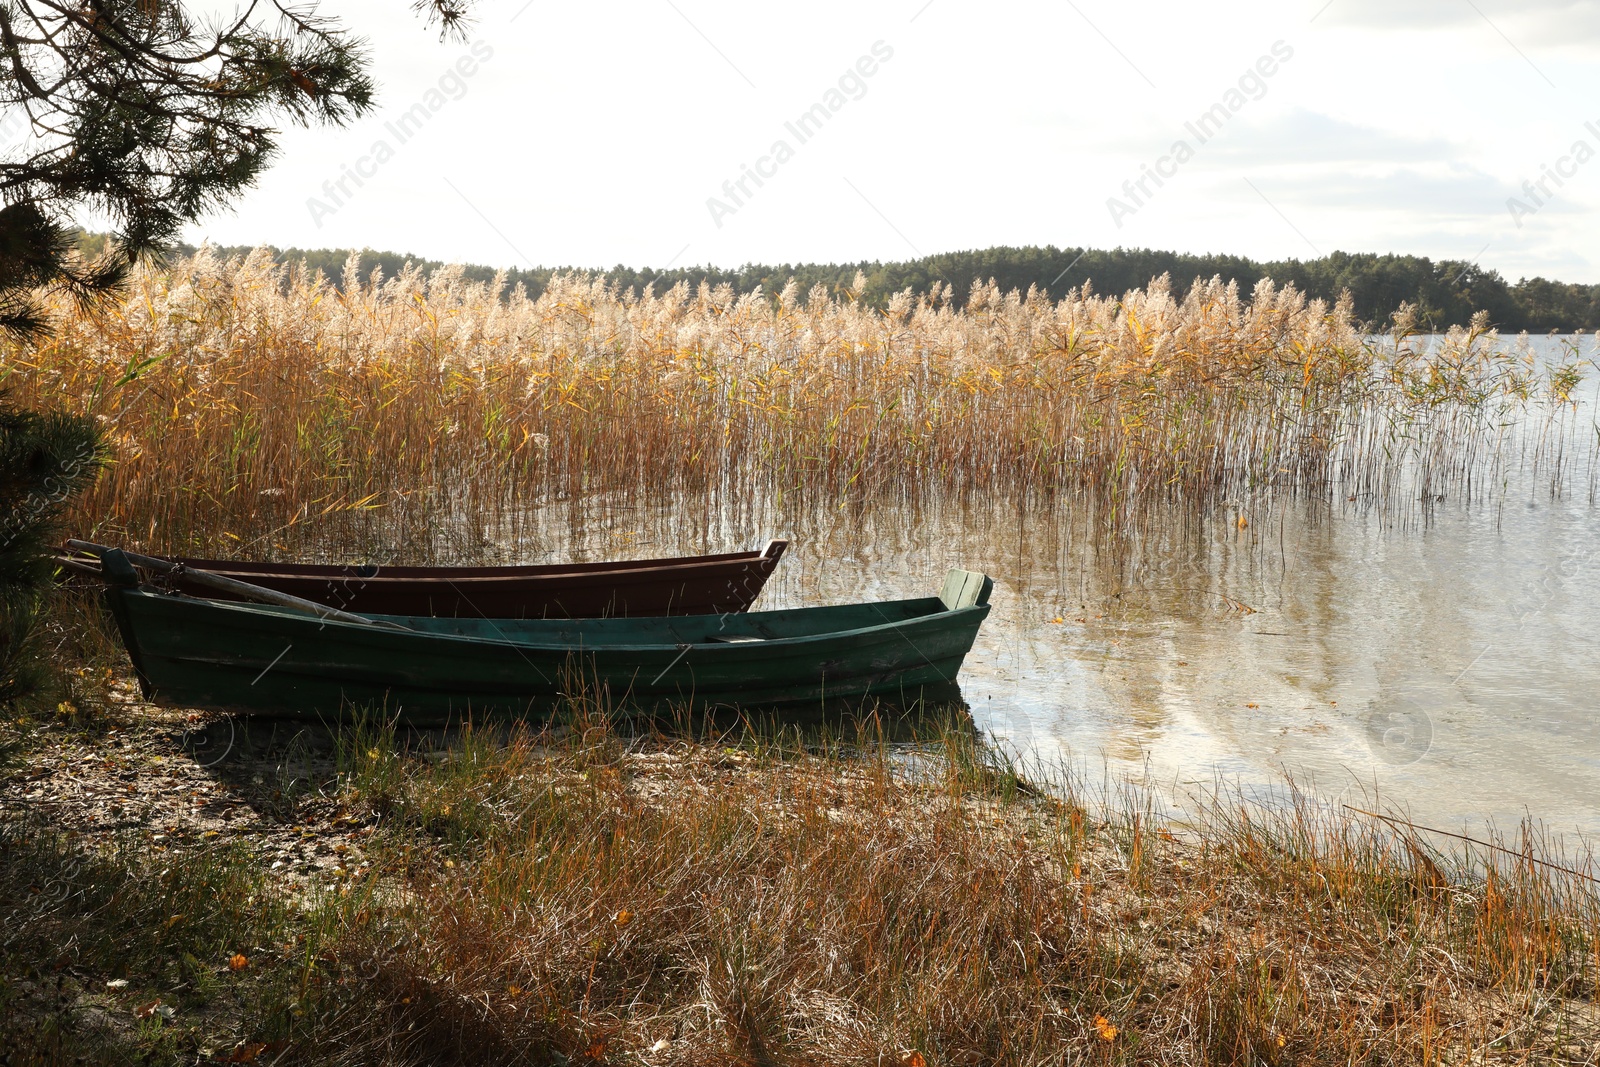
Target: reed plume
253	402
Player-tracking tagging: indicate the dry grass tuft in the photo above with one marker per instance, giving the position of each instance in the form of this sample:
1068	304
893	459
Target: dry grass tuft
791	907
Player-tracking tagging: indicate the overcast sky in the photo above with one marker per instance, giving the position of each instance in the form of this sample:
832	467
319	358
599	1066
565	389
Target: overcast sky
604	133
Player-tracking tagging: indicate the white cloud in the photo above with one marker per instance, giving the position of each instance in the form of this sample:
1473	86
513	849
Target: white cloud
1406	14
1526	23
1302	137
1459	192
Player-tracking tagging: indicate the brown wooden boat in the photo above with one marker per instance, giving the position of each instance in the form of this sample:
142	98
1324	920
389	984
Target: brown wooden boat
687	585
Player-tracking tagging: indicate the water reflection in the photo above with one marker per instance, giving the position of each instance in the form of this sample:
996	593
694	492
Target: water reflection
1443	654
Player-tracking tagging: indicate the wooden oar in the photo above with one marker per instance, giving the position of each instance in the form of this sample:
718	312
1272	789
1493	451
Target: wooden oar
239	589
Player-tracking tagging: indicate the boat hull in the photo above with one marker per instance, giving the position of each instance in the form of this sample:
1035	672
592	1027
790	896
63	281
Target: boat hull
691	585
253	659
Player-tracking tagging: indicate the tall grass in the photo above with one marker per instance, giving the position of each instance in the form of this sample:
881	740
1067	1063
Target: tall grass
249	402
578	895
588	897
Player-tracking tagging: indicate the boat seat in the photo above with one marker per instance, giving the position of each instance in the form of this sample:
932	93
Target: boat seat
965	589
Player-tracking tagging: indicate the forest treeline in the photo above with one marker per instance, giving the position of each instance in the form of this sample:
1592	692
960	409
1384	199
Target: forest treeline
1445	292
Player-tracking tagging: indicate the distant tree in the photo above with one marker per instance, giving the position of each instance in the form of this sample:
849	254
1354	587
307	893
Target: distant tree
1444	293
138	112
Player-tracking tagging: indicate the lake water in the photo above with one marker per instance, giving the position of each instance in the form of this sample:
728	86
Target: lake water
1441	655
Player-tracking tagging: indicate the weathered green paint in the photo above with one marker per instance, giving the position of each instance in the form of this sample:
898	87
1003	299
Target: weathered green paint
199	653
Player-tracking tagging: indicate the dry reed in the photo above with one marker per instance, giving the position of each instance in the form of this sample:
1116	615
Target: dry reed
250	403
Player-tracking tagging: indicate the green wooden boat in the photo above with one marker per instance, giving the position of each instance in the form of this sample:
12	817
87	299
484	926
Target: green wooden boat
269	660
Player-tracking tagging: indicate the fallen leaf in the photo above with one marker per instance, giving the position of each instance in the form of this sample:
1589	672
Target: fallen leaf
913	1059
1104	1028
247	1053
238	962
623	917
